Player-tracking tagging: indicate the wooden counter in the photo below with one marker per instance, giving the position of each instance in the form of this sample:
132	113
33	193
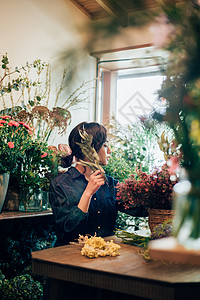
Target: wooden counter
128	273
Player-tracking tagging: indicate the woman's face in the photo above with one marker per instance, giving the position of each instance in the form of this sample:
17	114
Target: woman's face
104	154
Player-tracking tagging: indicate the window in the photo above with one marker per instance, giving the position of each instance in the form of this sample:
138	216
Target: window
128	83
136	96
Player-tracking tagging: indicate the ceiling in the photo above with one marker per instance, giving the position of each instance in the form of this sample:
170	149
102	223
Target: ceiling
130	58
99	9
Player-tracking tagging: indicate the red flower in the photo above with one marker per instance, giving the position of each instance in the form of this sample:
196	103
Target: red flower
2	122
43	155
10	145
27	126
13	123
152	191
5	117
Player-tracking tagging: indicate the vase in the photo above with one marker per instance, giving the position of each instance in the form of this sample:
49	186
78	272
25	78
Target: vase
30	201
11	202
159	216
4	180
45	200
186	227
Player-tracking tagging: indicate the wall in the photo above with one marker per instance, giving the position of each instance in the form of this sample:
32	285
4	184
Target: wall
47	29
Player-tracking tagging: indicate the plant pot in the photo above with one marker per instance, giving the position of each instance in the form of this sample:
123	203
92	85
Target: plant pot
11	202
4	180
159	216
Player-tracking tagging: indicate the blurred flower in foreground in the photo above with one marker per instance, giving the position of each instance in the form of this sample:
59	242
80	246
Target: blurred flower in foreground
162	31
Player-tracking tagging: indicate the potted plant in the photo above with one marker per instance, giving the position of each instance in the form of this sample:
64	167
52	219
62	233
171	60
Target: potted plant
153	191
24	158
14	138
35	168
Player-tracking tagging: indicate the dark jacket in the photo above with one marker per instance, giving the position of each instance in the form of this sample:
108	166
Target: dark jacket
65	193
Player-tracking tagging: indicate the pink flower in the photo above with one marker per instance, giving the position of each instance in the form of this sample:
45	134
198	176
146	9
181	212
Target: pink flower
21	123
162	31
173	164
27	126
30	132
2	122
10	145
1	125
65	150
43	155
13	123
5	117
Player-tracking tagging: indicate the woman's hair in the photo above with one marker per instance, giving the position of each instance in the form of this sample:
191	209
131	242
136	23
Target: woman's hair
99	133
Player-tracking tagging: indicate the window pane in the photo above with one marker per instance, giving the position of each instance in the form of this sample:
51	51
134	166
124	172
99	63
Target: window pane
136	97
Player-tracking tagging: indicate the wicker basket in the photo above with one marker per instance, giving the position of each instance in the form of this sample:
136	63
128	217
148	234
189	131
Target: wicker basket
159	216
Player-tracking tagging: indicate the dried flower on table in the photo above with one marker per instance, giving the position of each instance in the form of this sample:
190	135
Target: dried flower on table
96	246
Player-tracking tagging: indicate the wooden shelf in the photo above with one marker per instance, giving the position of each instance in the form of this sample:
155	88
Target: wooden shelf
11	220
167	249
8	215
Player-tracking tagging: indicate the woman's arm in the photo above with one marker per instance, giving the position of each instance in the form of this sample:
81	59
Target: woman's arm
94	183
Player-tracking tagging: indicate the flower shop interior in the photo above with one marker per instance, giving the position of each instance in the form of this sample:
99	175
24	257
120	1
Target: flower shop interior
134	67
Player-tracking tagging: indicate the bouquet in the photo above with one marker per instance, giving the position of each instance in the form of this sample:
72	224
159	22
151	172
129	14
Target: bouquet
14	139
150	191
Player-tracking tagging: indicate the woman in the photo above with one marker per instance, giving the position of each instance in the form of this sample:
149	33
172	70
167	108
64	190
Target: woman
81	201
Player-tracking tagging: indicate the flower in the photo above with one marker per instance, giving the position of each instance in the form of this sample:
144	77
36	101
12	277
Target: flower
162	31
44	155
11	145
14	138
150	191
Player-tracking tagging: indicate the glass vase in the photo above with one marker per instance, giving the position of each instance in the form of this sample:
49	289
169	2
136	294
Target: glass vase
30	201
45	200
186	225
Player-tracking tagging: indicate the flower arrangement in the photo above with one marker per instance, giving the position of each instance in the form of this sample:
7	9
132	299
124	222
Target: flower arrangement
33	99
150	191
14	139
29	162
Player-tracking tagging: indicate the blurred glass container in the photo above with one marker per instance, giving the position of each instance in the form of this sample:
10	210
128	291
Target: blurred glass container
186	225
30	201
45	200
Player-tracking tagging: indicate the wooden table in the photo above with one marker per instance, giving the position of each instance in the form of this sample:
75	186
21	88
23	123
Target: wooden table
128	273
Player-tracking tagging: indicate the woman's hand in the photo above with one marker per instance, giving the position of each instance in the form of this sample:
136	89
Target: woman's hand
95	181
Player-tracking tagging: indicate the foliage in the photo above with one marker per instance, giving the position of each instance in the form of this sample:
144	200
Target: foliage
16	278
137	144
118	166
17	247
14	139
35	168
21	287
181	85
26	158
132	238
180	90
30	94
151	191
